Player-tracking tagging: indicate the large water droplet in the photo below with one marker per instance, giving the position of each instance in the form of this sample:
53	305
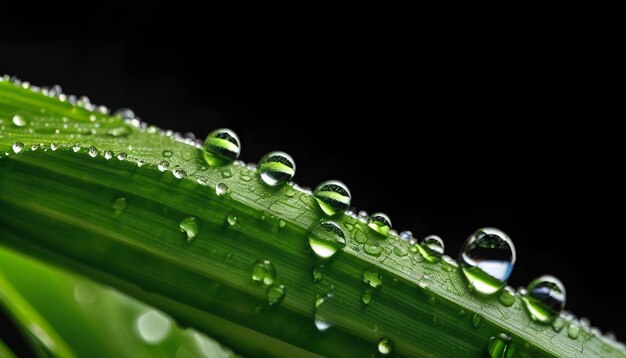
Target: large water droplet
263	271
275	294
385	347
18	121
221	147
487	258
431	248
380	223
332	196
325	238
17	147
276	168
544	299
500	347
189	226
153	326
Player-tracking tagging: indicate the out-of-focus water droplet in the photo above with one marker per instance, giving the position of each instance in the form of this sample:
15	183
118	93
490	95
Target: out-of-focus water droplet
153	326
332	196
380	223
432	247
276	168
119	131
162	166
17	147
221	189
290	191
263	271
124	113
121	156
221	147
385	347
558	324
476	320
507	297
500	347
76	148
179	173
373	278
321	317
119	205
275	294
18	121
108	154
282	223
544	299
226	173
487	258
366	296
93	152
231	219
372	249
573	330
318	275
189	226
325	238
84	293
54	146
167	153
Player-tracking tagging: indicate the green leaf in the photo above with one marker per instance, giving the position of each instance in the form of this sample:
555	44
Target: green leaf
60	205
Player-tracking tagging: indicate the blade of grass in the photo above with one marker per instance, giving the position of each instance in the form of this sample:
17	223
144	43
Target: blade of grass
56	204
5	351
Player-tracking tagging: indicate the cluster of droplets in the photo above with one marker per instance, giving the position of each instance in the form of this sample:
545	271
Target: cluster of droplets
264	273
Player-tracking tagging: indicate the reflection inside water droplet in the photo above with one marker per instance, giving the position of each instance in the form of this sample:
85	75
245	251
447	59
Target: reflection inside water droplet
153	326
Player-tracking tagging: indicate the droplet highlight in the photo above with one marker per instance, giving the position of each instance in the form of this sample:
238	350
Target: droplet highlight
18	121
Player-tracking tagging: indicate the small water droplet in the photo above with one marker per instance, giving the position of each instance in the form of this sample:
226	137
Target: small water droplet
34	148
18	121
275	294
431	248
221	147
119	131
325	238
507	297
487	258
231	219
385	347
179	173
201	180
544	299
167	153
573	330
121	156
372	249
153	326
318	275
276	168
366	296
17	147
290	192
221	189
93	152
476	320
162	166
76	148
373	278
380	223
119	205
500	347
54	146
332	196
189	226
321	318
263	271
108	154
226	173
282	223
558	324
124	113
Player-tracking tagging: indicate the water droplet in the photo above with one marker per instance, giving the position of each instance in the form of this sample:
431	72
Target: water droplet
500	347
17	147
487	258
573	330
321	318
476	320
558	324
431	248
226	173
124	113
108	154
19	121
318	275
76	148
372	249
544	299
406	235
372	278
290	192
385	347
119	131
167	153
263	271
162	166
189	226
221	147
275	294
153	326
121	156
34	147
276	168
366	296
380	223
221	189
231	219
507	297
93	152
325	238
282	223
119	205
332	196
54	146
179	173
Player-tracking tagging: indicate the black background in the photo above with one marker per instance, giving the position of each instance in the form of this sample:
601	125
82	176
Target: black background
444	129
